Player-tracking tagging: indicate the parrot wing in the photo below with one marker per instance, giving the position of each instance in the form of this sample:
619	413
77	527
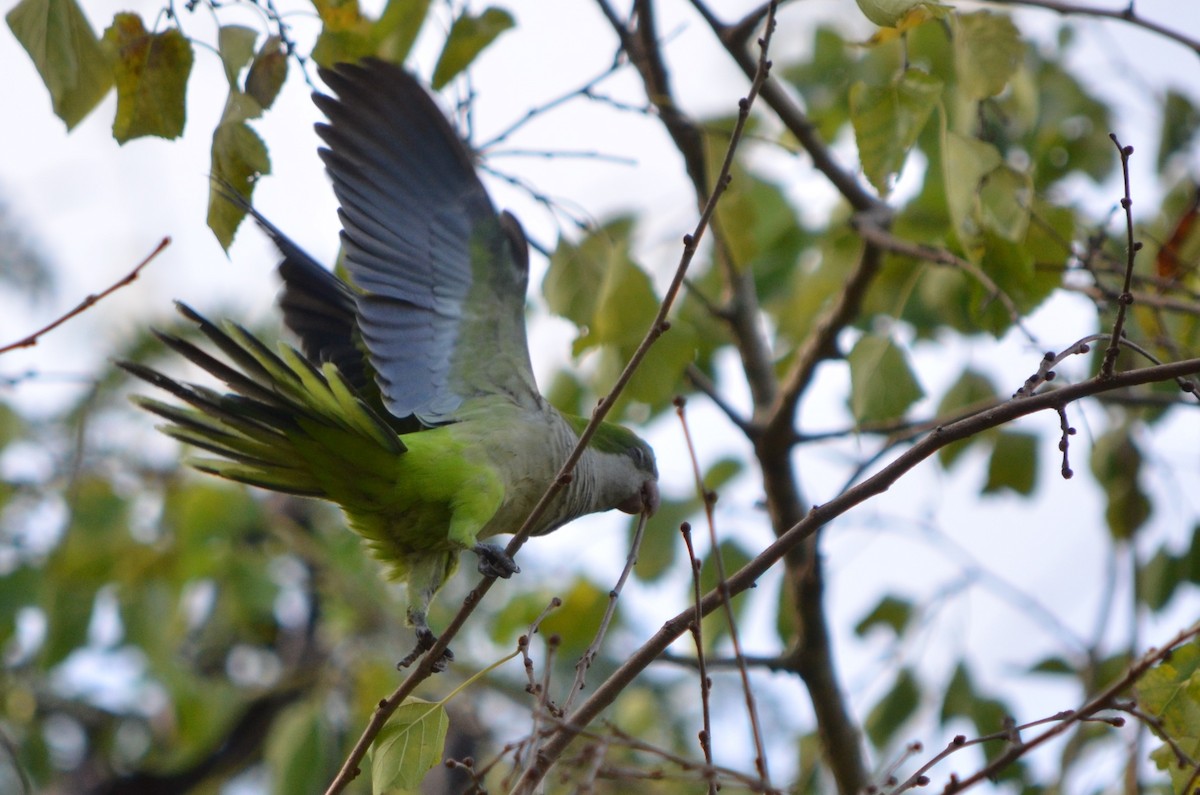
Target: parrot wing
440	277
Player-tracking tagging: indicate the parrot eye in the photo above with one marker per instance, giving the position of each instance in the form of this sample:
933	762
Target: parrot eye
640	459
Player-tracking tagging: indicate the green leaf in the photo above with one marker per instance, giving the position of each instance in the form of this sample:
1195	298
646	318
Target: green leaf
1192	557
95	545
1158	578
661	543
966	162
300	749
469	36
66	52
1116	462
267	73
235	43
1171	693
1056	666
239	158
761	229
972	390
1005	198
882	385
576	275
963	700
900	703
1180	121
18	590
987	49
824	80
577	620
398	27
151	72
1014	464
408	747
722	472
888	119
1071	136
598	287
891	611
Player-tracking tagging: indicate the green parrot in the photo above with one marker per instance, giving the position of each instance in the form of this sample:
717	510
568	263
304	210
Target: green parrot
413	405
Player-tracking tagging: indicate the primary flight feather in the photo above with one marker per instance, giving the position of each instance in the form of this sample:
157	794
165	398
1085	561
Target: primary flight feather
413	405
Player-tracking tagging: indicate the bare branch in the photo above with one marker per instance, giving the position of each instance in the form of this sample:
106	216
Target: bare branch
88	301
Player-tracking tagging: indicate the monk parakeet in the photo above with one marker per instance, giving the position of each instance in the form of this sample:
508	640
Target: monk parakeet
413	405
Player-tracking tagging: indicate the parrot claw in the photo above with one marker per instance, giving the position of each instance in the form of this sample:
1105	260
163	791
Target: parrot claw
425	641
495	562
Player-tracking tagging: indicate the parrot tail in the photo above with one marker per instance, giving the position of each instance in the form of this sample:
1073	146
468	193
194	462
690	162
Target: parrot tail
285	423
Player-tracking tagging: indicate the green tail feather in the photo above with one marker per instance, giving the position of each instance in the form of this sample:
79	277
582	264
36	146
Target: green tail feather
282	407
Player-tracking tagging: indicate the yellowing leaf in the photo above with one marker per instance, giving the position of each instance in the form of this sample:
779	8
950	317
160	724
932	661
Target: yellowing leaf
408	746
882	385
66	52
338	15
888	119
267	73
900	13
469	36
151	71
239	157
344	33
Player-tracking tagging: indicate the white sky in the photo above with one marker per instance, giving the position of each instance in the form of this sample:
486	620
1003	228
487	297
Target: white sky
95	209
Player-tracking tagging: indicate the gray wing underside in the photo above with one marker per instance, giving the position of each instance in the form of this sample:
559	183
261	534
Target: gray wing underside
441	278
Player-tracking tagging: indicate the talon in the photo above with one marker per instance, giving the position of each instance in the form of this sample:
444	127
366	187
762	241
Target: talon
425	641
495	562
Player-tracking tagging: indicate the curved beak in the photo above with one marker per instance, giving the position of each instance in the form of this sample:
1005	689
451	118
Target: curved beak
645	501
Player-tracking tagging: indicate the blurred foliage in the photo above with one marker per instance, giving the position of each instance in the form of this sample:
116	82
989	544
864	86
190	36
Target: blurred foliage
248	632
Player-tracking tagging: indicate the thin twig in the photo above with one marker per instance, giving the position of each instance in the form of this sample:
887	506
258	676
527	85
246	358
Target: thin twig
89	301
1106	699
700	660
585	660
709	499
690	244
881	237
1132	247
1126	14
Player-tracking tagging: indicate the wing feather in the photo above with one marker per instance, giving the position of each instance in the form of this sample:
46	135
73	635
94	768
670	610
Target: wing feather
441	281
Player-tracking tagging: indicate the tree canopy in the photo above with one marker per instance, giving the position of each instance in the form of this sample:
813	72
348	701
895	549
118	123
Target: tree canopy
927	322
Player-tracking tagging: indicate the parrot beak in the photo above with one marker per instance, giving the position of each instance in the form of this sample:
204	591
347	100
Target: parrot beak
645	501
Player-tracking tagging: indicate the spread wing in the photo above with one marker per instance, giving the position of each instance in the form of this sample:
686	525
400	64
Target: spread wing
441	277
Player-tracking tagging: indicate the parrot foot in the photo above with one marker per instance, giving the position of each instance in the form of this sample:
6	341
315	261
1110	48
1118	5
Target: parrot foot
425	641
495	562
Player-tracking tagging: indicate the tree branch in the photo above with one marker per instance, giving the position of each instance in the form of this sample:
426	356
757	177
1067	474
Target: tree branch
746	577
